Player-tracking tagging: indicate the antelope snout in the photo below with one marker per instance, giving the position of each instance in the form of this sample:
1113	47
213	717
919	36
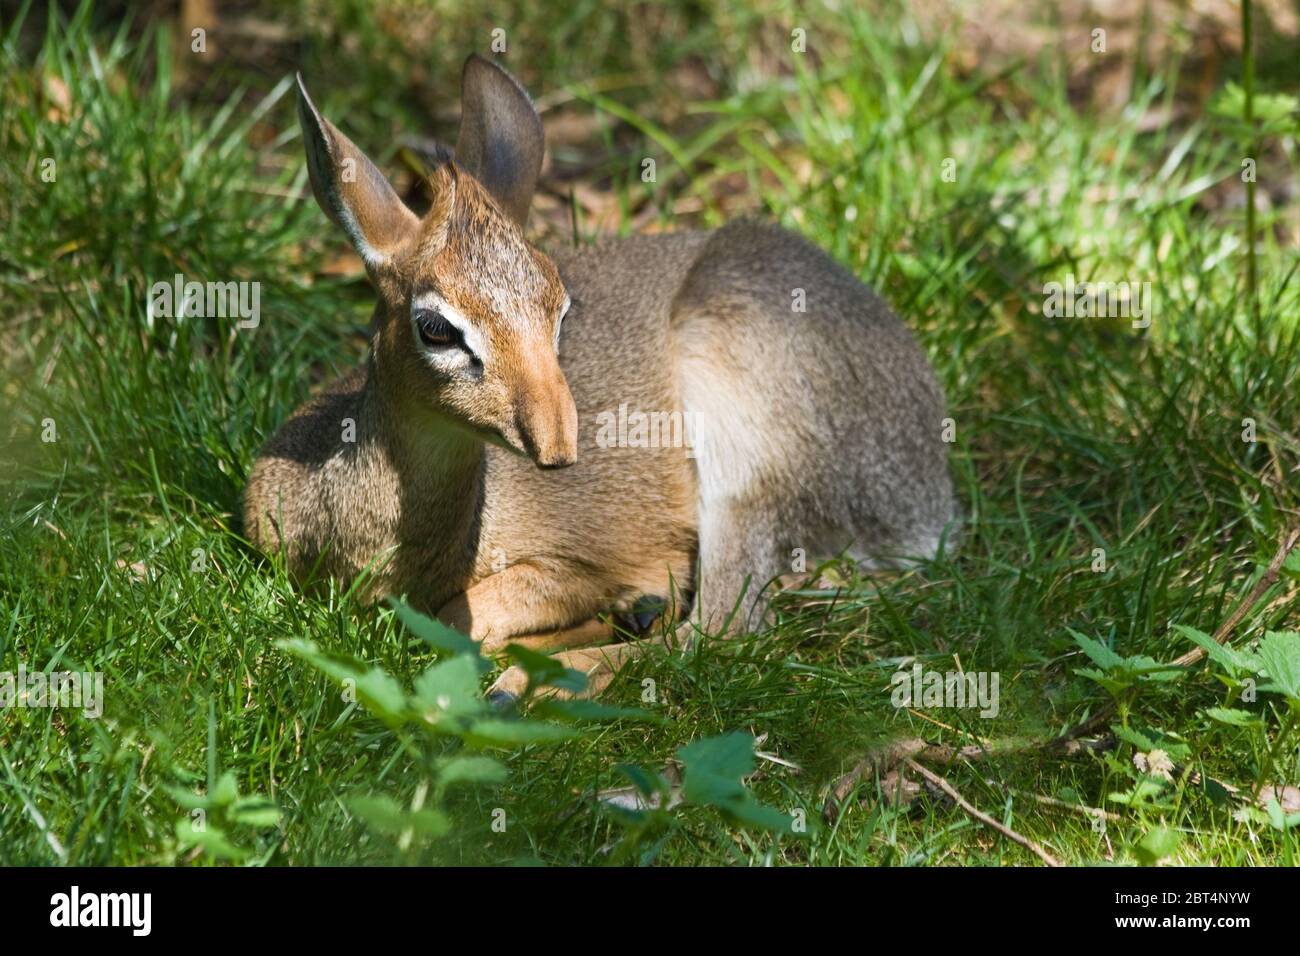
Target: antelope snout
547	420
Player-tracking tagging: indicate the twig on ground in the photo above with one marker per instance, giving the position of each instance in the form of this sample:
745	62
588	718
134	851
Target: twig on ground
1095	813
889	758
979	815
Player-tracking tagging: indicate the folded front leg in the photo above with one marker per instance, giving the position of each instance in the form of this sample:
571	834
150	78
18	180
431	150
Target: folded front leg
598	664
525	598
587	634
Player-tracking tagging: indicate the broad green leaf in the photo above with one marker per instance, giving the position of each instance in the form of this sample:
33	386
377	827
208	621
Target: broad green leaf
432	631
340	667
546	671
226	791
1279	652
1233	717
1277	817
386	816
730	755
711	776
492	732
1142	791
1232	660
1148	668
1118	673
376	689
380	812
1110	684
1216	791
1135	737
1158	844
1291	566
757	814
210	838
188	800
382	695
1097	652
451	687
255	812
428	821
470	770
1153	738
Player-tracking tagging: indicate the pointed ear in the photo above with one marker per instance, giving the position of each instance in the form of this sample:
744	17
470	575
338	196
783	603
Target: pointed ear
501	140
351	190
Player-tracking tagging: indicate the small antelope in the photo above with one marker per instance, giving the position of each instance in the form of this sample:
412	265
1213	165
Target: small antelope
495	458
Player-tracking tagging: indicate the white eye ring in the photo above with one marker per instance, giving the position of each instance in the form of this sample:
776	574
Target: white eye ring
430	301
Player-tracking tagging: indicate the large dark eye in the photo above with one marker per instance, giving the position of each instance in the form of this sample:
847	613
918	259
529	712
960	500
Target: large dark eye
435	331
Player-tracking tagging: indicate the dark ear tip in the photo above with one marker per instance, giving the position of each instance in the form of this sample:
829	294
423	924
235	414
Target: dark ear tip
476	62
313	124
492	75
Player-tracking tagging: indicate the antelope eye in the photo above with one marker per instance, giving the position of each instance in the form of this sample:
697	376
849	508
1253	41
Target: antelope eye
435	331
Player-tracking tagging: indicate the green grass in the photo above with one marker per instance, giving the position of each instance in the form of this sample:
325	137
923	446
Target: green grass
120	549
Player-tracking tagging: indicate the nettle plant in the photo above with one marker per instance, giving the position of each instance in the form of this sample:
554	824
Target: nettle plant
1259	714
449	728
221	823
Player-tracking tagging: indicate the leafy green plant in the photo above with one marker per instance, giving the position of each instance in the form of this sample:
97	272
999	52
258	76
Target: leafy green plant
220	822
1151	759
1272	666
446	723
1122	676
217	817
713	770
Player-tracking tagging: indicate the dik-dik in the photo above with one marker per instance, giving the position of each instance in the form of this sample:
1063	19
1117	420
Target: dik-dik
469	462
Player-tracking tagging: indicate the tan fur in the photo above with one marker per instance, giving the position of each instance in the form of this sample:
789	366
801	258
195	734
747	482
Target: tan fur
817	431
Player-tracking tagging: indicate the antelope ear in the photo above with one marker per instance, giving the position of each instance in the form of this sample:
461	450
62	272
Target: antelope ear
351	190
501	140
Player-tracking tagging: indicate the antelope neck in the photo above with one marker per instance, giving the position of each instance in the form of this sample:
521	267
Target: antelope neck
430	453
